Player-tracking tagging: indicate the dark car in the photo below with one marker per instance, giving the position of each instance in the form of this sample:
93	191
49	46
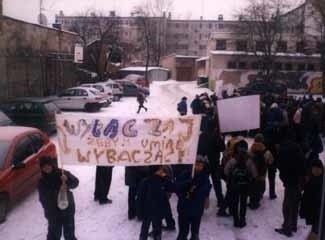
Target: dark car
262	88
131	89
32	112
5	120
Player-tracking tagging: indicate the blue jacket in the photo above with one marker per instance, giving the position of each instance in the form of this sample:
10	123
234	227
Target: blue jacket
152	199
192	193
182	107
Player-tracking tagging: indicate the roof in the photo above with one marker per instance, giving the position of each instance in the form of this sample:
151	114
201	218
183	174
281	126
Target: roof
142	69
10	132
203	59
261	54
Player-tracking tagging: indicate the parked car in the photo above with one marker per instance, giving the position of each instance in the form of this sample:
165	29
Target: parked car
32	112
20	151
117	89
131	89
107	98
261	88
80	98
5	120
102	88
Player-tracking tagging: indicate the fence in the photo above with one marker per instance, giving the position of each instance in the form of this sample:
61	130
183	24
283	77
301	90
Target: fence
35	76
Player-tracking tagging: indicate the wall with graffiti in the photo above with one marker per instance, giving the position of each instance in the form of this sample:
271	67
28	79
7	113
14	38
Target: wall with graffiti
297	81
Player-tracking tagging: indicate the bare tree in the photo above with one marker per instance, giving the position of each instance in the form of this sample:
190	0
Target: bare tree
100	35
262	27
151	20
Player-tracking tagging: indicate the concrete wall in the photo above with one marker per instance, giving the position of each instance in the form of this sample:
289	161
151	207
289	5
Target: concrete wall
34	60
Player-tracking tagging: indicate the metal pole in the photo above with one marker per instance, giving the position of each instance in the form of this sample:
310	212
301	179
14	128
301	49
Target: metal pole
322	215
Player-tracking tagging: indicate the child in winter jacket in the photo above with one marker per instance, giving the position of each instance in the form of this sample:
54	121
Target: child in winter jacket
262	159
153	202
182	107
192	194
240	172
53	181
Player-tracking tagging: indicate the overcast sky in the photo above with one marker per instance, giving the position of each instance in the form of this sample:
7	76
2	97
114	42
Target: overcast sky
181	9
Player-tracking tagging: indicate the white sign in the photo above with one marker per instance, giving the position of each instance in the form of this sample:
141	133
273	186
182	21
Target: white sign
122	141
78	53
239	114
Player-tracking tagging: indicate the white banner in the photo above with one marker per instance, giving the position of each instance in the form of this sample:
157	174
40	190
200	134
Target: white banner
122	141
78	53
239	114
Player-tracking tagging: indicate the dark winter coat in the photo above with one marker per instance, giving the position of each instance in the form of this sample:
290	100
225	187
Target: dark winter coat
311	200
196	106
211	145
152	200
291	164
135	175
182	107
49	187
192	193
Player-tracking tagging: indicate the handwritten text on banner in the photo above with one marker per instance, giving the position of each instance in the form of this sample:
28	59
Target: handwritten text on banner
110	141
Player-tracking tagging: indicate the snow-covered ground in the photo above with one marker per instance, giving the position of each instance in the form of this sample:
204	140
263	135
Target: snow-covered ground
109	222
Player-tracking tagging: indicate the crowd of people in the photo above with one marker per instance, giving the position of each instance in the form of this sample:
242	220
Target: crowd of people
288	142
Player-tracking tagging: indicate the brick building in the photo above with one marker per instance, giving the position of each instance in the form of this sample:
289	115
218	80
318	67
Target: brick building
34	59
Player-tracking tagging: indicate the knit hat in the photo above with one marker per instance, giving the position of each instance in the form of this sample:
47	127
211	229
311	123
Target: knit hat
46	161
241	146
317	163
201	159
259	138
154	168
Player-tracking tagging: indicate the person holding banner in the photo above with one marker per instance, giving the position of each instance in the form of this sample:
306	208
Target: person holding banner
54	180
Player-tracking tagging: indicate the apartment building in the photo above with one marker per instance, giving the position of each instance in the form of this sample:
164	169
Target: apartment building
182	37
232	62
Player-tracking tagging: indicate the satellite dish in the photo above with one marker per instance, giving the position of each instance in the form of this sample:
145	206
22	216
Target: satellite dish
42	19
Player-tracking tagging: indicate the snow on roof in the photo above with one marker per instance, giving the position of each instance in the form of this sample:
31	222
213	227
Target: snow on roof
184	56
203	59
142	69
261	54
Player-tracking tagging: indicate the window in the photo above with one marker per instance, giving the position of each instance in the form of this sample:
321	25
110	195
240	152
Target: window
221	45
301	67
232	65
260	46
68	93
210	25
301	47
241	45
37	141
242	65
288	67
221	26
318	47
23	150
182	46
81	93
278	66
255	65
311	67
202	47
282	46
177	25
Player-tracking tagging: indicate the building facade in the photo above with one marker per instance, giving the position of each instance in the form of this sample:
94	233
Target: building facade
182	37
232	62
34	60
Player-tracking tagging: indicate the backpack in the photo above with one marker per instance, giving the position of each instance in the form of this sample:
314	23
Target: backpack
260	163
240	176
